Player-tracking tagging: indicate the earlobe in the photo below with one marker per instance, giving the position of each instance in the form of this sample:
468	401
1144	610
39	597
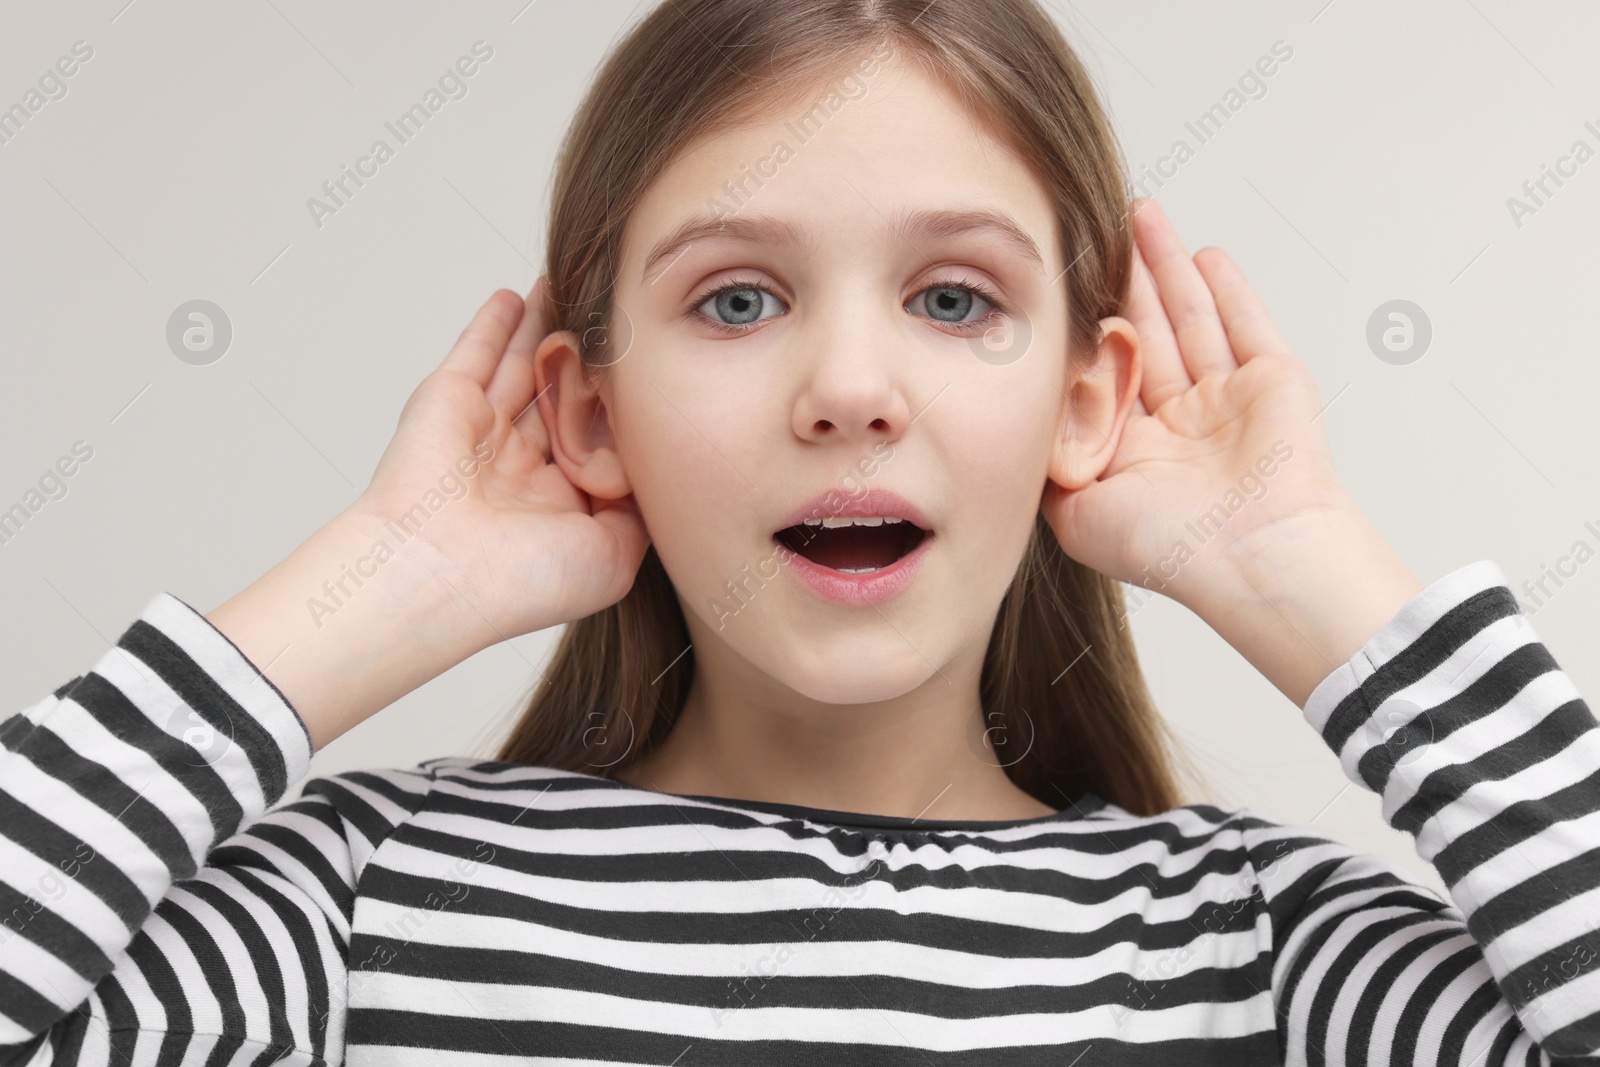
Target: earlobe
573	406
1099	400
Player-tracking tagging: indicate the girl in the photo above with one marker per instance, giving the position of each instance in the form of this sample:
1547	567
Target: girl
852	392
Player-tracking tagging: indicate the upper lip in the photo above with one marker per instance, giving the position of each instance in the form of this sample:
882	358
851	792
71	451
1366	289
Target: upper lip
837	503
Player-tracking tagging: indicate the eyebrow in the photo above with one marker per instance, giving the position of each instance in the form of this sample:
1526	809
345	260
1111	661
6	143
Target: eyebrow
924	225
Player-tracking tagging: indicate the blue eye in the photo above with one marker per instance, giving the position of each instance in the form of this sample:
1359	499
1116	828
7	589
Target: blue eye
738	306
950	303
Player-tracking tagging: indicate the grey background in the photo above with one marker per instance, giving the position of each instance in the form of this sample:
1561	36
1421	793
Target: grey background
1377	166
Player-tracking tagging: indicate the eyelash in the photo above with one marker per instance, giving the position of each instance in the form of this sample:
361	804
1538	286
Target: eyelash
996	308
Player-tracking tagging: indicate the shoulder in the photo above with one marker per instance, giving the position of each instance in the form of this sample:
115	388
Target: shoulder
1249	852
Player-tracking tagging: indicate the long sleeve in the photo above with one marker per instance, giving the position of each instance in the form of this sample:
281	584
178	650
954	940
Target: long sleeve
152	909
1482	750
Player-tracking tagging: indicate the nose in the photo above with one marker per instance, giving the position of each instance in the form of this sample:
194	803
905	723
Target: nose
854	385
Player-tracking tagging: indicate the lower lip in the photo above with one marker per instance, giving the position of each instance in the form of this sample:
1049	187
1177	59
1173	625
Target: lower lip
854	589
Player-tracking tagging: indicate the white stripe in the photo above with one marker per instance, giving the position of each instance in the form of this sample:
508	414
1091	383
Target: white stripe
170	714
1547	930
1494	731
247	990
1562	1006
1481	1038
816	958
867	1025
745	896
1445	1009
299	878
215	655
1343	1012
43	972
1517	863
528	836
1386	1026
1403	628
360	848
205	1014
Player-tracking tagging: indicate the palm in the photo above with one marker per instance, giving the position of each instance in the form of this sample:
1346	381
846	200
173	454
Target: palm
523	546
1222	444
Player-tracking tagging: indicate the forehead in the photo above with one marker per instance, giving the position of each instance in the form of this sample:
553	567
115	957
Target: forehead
835	166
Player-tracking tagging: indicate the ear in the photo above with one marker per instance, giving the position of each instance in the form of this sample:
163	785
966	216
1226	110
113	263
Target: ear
575	407
1100	397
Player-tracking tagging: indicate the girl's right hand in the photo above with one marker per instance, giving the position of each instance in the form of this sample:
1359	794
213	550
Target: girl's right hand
521	545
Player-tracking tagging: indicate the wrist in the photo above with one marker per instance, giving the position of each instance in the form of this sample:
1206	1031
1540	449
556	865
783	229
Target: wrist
344	628
1304	596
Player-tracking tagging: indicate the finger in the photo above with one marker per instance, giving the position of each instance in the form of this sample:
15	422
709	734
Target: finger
1250	329
1164	373
511	389
1193	313
477	351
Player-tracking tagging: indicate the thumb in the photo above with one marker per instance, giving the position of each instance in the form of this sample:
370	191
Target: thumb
622	521
1061	509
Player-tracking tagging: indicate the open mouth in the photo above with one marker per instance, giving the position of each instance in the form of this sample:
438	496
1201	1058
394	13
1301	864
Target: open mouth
854	545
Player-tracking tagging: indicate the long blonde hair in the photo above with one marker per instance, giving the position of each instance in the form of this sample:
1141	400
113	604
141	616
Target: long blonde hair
694	68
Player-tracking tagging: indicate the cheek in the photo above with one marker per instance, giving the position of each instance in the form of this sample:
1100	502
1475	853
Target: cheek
999	468
687	456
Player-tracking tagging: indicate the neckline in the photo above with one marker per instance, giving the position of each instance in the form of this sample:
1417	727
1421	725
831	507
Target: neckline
1087	803
1084	805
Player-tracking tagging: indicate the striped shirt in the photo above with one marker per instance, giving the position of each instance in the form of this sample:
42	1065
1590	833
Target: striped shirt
159	909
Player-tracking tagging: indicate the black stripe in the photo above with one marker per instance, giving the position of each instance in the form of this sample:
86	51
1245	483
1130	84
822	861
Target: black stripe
1496	688
1330	922
1365	1016
373	824
1578	1039
273	832
160	976
1417	660
128	722
504	1037
1420	1004
121	1021
214	965
70	1033
310	747
1516	823
207	698
1501	1046
999	940
1453	1045
710	865
1536	894
52	843
24	1004
1089	838
305	937
261	961
1553	968
1351	953
1547	737
766	985
31	914
226	1050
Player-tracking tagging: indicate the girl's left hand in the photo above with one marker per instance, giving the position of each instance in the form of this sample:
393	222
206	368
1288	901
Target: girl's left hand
1222	450
1222	493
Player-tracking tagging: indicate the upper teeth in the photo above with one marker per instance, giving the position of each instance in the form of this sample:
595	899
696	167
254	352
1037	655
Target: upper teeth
834	521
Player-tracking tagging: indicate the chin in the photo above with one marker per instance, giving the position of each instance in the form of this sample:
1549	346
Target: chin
847	670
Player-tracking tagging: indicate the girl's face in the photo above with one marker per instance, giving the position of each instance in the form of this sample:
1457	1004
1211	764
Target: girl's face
892	321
